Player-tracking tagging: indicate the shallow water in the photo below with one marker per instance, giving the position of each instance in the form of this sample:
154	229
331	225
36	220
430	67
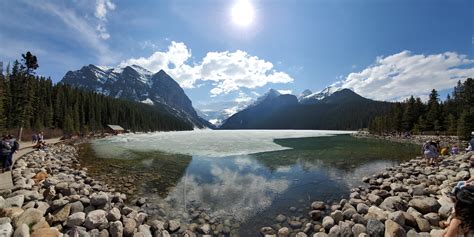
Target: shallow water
247	177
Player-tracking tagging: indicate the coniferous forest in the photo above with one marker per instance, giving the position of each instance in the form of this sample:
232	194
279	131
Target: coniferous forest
33	102
454	116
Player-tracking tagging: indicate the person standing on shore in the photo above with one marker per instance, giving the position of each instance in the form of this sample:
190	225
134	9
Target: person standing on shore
34	138
15	146
429	152
40	137
5	150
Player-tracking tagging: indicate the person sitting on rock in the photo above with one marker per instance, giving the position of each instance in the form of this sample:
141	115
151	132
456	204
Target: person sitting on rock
462	221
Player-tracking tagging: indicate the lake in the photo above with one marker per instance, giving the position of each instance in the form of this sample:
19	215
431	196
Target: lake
239	178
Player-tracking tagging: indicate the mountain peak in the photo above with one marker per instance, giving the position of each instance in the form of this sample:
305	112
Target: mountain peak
320	95
305	93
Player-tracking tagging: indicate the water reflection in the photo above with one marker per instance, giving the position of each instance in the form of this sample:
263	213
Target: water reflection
253	189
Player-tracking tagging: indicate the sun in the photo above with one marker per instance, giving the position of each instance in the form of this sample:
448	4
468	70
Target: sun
243	13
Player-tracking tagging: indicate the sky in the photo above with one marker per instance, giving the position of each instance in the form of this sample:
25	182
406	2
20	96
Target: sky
228	52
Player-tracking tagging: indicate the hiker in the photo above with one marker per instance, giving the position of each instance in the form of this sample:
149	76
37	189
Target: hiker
429	152
5	150
462	221
40	137
34	138
15	146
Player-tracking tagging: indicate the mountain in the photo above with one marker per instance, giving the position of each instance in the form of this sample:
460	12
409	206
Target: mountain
340	109
137	84
304	94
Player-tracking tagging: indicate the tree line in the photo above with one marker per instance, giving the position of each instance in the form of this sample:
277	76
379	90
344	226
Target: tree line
35	103
454	116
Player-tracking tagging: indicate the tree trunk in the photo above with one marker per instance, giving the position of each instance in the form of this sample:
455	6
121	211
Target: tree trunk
20	131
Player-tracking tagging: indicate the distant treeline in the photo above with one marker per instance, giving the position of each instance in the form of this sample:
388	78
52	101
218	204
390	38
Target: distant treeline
34	102
454	116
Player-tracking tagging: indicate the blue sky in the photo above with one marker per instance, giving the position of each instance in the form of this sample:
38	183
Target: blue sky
382	49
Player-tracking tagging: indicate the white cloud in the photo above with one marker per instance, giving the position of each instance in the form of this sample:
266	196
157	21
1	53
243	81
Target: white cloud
227	71
403	74
85	32
101	9
284	92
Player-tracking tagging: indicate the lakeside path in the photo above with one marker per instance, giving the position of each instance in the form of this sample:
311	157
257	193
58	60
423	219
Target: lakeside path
6	181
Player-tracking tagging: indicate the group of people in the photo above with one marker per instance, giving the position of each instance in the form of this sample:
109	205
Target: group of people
432	150
8	146
38	140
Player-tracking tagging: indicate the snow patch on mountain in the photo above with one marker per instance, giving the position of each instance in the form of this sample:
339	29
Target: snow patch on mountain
148	101
320	94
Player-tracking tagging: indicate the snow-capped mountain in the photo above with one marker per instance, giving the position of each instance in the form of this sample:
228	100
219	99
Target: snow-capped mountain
312	98
330	108
137	84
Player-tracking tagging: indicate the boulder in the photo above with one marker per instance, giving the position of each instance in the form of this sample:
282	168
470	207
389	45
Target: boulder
425	205
358	229
129	226
6	229
393	229
315	215
375	228
22	231
335	231
16	201
280	218
283	232
328	222
29	217
114	214
394	203
318	205
50	232
116	229
173	225
362	208
76	219
99	199
62	214
96	219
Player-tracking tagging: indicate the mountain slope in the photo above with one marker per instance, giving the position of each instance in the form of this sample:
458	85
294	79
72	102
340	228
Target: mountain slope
339	109
137	84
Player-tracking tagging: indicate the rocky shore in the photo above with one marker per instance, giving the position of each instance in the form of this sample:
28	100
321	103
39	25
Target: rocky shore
415	139
405	200
54	196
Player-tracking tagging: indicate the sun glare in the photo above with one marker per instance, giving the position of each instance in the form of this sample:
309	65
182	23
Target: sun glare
243	13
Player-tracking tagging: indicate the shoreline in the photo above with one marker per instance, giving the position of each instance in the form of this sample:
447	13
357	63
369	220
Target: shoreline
405	200
69	201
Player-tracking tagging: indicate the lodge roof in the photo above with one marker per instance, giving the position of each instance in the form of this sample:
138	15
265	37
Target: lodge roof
115	127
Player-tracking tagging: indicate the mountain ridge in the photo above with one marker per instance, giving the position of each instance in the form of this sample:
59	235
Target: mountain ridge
339	108
137	84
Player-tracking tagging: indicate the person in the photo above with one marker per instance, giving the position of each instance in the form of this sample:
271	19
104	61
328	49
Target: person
15	146
462	221
34	138
429	152
40	137
455	150
5	150
444	151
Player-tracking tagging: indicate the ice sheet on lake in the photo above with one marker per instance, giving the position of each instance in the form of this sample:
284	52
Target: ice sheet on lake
207	143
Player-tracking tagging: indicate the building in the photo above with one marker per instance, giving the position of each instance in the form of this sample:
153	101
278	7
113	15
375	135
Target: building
115	129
